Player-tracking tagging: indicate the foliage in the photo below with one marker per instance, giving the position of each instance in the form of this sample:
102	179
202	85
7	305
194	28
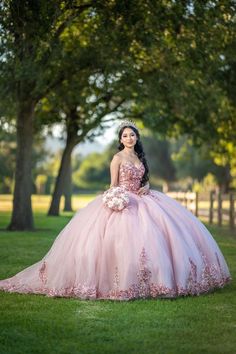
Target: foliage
176	59
208	184
184	80
44	45
8	148
94	171
158	155
198	162
172	162
170	64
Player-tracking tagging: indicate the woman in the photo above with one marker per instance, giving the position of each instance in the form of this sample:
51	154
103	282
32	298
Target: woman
151	248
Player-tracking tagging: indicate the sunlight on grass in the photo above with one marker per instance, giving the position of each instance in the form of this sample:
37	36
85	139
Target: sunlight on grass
42	202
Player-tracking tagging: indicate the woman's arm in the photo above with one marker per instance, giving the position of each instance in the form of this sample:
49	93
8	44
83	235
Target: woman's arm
114	170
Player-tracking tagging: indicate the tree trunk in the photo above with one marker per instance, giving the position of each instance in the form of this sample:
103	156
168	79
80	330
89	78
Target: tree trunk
225	180
61	179
22	216
68	189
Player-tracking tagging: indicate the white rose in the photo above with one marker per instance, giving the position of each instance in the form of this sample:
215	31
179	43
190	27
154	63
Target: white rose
110	204
116	200
104	198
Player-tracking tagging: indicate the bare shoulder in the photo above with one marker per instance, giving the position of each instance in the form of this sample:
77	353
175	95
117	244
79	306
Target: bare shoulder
116	159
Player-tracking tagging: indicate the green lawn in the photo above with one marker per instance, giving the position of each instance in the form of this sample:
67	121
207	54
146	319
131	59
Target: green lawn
36	324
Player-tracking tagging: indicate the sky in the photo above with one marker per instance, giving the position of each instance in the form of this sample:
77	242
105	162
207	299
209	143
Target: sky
98	145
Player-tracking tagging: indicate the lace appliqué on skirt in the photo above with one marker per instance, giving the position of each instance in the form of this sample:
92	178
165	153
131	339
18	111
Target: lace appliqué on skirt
211	277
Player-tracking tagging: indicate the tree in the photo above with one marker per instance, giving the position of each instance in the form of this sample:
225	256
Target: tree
31	54
7	148
80	115
165	49
198	162
159	156
185	82
94	172
37	49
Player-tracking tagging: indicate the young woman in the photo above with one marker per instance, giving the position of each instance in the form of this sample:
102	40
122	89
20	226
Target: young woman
150	247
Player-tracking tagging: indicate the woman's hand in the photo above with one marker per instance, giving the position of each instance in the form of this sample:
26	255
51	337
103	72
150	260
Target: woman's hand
144	190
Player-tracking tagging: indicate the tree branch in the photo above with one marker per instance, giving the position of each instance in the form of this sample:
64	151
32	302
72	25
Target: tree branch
97	121
70	18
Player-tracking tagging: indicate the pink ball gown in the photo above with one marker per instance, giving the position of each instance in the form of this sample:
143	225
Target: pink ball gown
153	248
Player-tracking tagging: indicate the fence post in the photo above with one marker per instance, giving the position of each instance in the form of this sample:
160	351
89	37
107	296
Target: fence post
211	210
196	203
219	209
231	210
186	200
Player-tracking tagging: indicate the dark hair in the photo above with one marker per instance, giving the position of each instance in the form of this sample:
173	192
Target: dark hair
138	148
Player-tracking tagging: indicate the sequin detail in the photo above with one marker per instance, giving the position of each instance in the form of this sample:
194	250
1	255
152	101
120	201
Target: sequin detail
42	273
144	275
210	277
130	176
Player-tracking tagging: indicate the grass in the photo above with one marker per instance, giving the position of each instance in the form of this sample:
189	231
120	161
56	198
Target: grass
31	324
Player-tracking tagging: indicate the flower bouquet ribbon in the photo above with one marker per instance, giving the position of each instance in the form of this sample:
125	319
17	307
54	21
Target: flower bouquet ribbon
115	198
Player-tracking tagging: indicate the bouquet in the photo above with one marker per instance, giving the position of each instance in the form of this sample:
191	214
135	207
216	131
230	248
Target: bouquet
115	198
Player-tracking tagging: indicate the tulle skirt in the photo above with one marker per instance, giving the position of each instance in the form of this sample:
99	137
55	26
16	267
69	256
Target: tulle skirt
154	248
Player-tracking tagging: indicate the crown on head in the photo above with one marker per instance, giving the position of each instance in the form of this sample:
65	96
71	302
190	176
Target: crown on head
127	123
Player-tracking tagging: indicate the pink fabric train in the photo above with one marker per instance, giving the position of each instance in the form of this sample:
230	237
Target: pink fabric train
153	248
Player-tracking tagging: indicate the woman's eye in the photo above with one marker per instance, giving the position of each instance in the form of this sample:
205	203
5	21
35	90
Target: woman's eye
126	136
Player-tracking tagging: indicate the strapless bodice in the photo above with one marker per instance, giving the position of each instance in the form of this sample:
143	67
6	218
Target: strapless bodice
130	176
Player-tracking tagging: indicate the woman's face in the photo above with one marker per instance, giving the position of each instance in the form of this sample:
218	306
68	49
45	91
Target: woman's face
128	138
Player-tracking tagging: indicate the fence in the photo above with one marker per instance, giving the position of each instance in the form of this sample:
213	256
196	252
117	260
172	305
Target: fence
214	207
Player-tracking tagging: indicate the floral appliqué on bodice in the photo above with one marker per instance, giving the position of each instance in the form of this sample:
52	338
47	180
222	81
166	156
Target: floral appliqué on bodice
130	176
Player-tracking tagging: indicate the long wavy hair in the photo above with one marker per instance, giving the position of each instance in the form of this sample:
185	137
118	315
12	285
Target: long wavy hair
138	148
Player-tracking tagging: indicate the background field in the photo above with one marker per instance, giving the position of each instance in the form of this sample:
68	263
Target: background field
31	324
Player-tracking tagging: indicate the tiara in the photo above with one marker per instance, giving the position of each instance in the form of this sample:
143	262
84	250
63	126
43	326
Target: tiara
127	123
